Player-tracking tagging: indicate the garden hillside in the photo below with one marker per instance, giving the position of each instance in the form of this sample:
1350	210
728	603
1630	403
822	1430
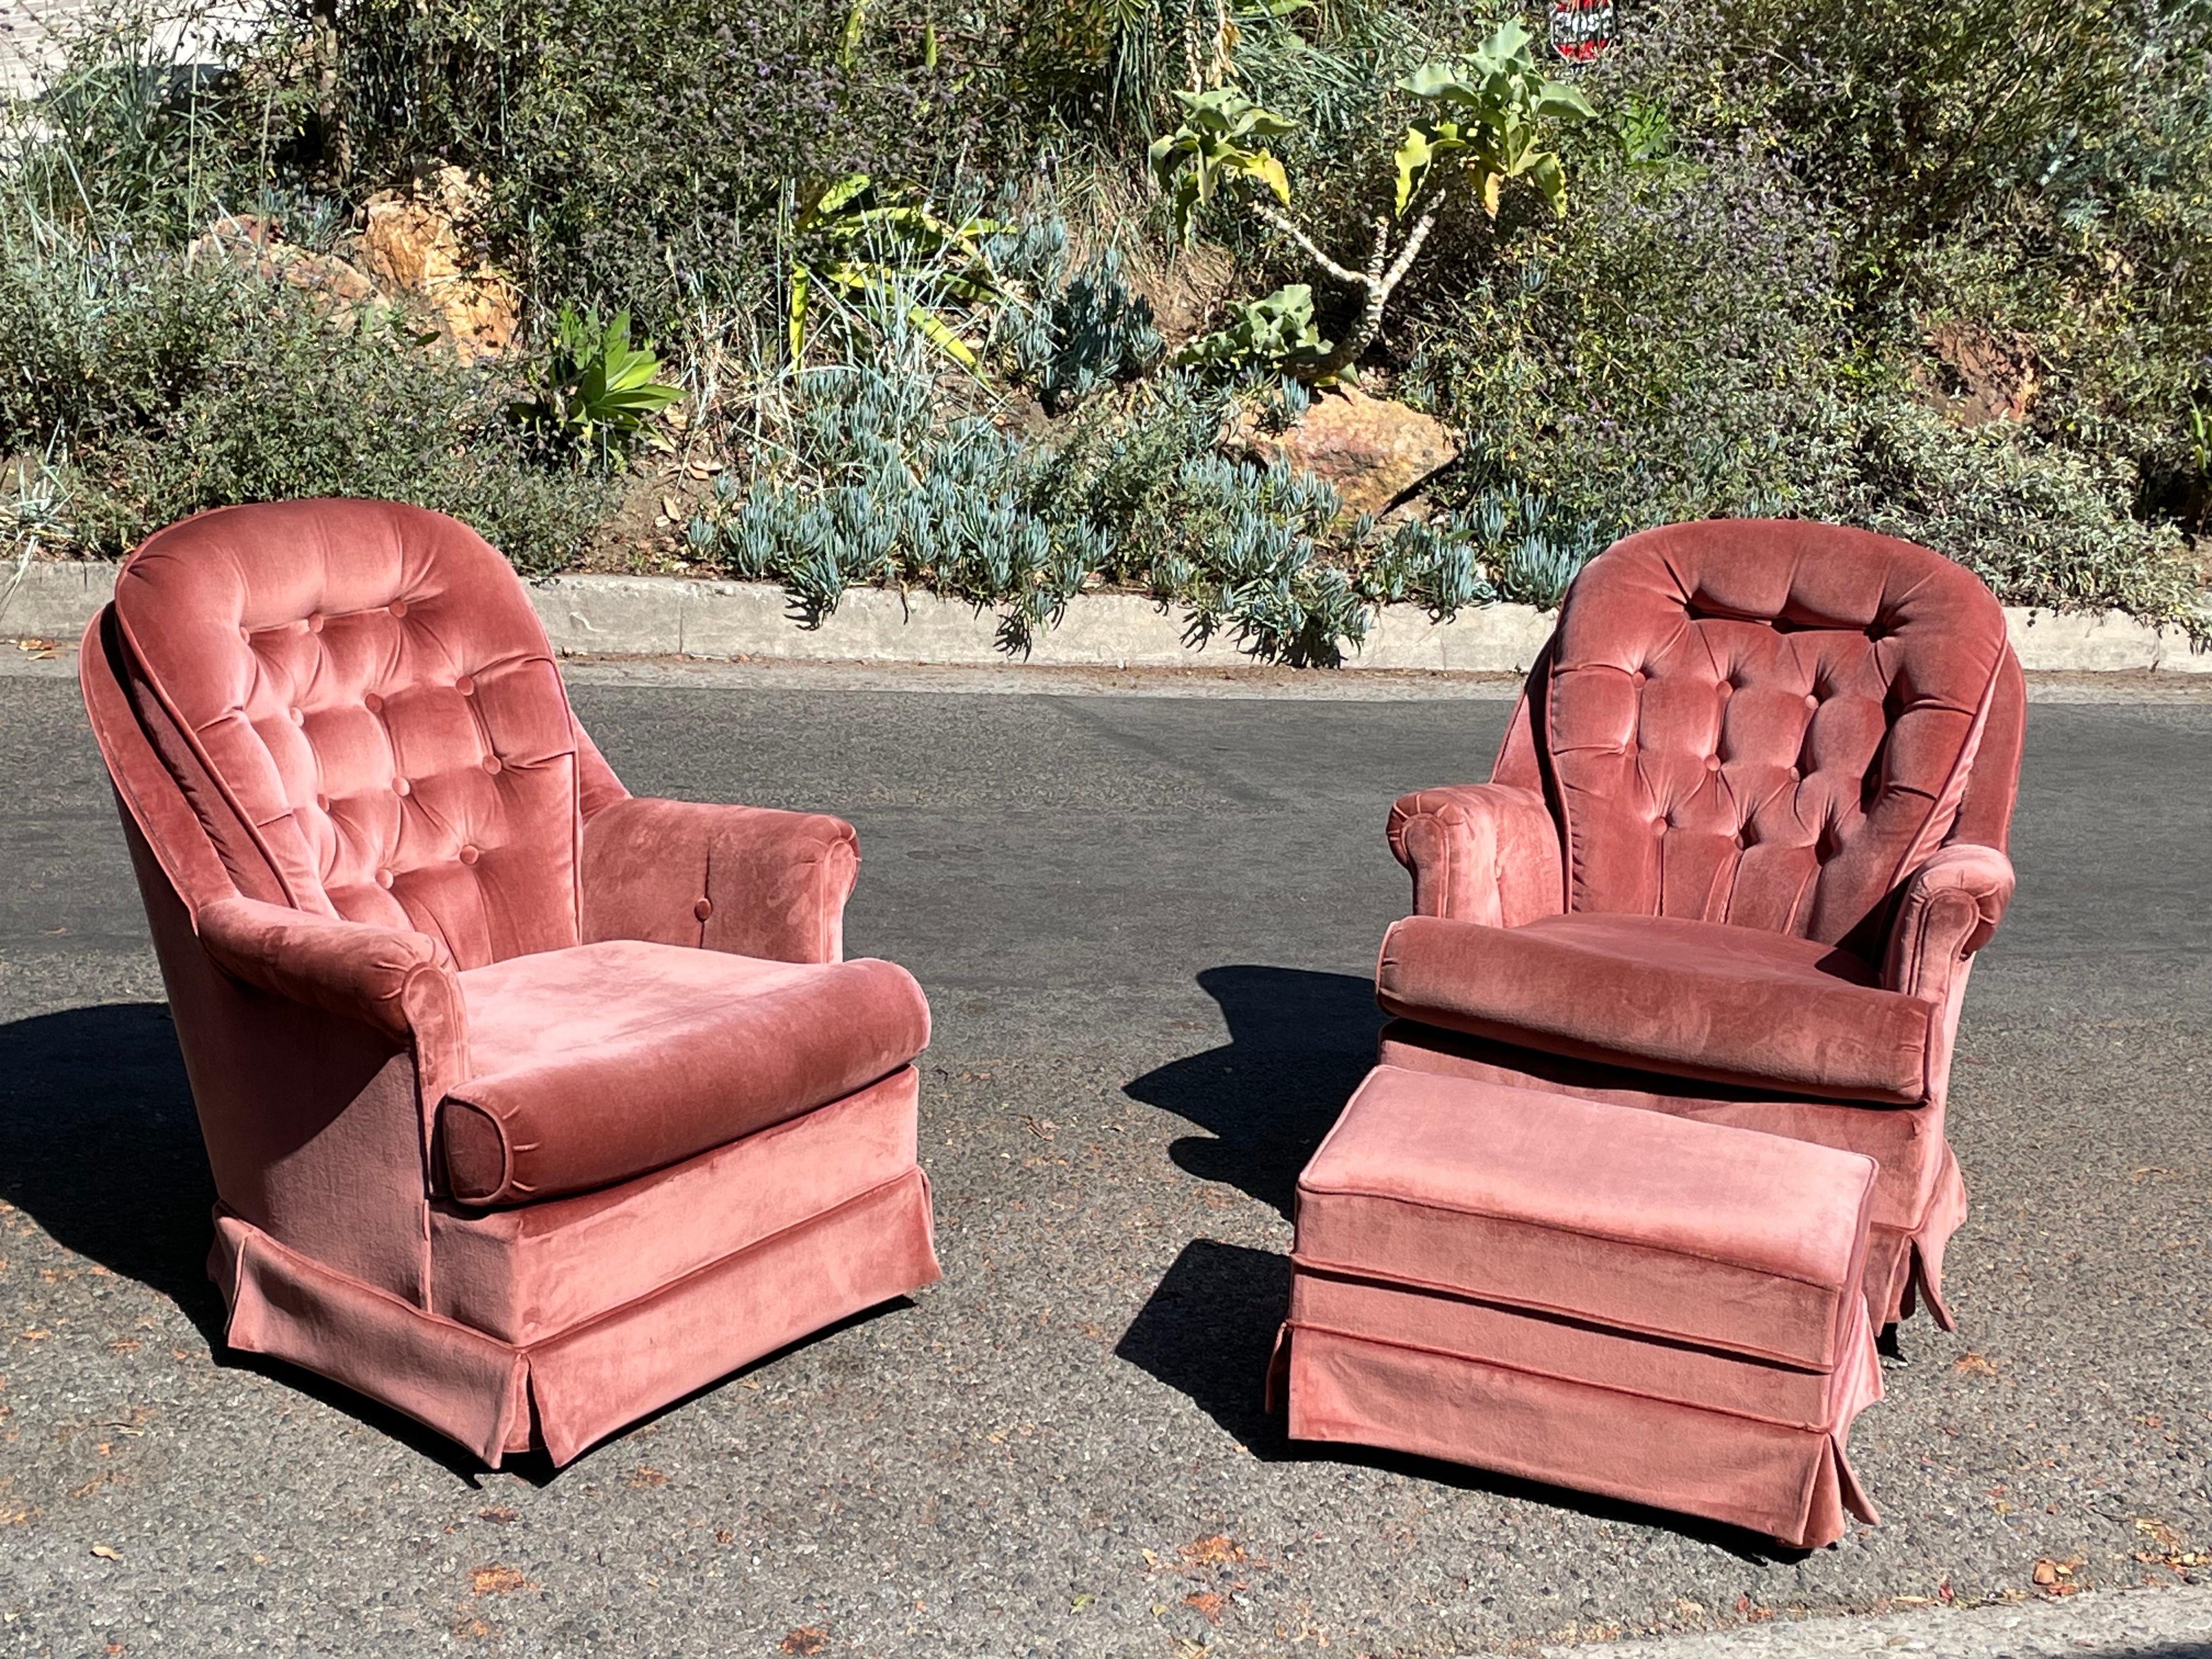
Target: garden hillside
1278	310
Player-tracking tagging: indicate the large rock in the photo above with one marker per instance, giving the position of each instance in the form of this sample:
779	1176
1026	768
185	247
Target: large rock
250	242
411	244
1373	451
1996	377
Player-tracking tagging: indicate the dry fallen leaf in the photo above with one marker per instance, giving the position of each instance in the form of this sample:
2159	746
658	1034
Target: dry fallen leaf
2169	1548
2159	1533
1973	1365
1215	1550
106	1553
806	1640
1209	1604
498	1517
2053	1576
496	1580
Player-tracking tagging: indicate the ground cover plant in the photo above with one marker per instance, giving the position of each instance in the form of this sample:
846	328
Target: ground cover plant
1029	297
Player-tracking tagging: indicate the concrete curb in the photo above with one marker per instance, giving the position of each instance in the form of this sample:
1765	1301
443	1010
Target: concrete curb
671	616
2173	1623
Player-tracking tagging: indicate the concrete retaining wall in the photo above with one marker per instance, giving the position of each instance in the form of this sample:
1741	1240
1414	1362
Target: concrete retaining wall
664	616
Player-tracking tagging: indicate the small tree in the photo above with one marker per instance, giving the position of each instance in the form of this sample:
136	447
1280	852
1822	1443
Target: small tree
1483	124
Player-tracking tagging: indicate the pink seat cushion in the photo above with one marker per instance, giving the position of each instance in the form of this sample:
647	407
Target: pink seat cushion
1695	1232
603	1061
1691	999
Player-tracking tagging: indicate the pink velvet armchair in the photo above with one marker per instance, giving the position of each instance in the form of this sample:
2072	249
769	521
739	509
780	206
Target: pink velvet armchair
532	1106
1744	835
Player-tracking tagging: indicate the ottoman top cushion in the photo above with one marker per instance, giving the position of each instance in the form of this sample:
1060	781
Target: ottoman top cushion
1630	1219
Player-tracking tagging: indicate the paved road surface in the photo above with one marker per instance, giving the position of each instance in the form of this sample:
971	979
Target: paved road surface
1146	927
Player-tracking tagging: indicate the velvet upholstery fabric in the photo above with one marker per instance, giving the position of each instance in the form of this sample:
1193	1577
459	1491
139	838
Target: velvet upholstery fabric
1692	1232
733	879
1697	998
370	691
1618	1301
1919	1199
357	805
1776	765
1766	722
531	1271
572	1089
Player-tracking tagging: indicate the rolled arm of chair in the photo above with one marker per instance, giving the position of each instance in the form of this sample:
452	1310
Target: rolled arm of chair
1480	852
1950	906
402	983
398	982
749	880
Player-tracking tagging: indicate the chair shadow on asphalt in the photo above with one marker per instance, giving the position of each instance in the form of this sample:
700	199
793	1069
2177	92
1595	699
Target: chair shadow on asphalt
1299	1042
101	1147
1208	1333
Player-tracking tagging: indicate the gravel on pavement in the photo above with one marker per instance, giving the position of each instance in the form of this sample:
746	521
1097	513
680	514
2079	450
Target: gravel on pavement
1147	926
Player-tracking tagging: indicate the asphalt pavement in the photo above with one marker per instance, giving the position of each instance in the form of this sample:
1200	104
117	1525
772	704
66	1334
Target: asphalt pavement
1146	925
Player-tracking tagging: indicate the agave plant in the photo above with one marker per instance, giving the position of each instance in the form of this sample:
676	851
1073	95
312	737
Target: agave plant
597	386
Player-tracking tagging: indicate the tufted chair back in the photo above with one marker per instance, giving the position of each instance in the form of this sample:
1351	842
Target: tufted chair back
1766	722
361	707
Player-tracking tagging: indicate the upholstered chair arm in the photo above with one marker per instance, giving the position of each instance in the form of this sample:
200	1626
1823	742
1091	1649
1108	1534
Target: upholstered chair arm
1479	852
1950	906
397	982
749	880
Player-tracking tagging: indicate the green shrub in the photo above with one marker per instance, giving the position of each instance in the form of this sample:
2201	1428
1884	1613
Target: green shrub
1673	351
1793	215
626	144
2043	525
173	390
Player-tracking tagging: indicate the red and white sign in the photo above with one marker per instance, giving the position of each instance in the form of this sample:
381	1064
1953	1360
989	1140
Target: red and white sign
1582	29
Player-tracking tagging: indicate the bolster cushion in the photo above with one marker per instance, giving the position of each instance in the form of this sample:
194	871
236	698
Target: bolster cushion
609	1061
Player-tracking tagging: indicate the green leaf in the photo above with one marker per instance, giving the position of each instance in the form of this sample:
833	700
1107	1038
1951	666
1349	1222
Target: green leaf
1543	171
1434	81
801	280
1563	102
1508	43
1412	158
1269	171
938	333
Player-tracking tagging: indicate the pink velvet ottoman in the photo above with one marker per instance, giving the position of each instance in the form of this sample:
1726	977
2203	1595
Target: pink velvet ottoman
1621	1302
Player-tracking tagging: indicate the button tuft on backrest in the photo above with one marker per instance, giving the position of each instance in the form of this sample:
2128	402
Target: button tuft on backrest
248	619
1783	619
